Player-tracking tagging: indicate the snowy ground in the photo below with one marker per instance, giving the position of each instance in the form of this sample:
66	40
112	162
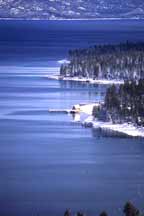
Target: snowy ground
91	81
88	108
108	128
111	129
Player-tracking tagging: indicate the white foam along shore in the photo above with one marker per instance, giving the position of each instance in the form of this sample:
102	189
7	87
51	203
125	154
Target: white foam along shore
110	129
86	80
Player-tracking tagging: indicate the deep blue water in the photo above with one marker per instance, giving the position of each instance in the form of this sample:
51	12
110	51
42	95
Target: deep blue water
48	162
36	42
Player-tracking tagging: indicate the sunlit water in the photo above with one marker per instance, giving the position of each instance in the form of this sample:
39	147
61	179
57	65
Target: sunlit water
49	162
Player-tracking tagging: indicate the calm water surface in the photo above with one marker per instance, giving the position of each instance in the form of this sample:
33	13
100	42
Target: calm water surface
48	162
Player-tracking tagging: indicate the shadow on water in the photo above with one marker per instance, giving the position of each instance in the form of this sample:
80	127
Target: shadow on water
112	134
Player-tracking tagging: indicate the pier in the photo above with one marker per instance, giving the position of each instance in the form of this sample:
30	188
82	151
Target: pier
72	111
78	108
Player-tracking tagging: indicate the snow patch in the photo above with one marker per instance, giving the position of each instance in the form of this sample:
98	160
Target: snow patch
63	61
87	80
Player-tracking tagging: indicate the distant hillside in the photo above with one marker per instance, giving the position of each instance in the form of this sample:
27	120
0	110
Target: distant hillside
69	9
121	62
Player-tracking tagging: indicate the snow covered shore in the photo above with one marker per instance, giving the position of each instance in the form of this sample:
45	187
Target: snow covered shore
86	80
110	129
106	128
64	61
88	108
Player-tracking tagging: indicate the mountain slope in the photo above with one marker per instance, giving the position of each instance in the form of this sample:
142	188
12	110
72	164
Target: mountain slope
69	9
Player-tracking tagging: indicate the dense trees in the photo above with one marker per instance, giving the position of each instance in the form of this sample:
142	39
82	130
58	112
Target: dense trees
122	61
126	102
128	210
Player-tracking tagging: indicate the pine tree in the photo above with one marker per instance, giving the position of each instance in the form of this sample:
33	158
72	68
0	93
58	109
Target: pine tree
130	210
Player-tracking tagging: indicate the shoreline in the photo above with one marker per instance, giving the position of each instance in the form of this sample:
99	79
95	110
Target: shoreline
85	80
108	128
114	130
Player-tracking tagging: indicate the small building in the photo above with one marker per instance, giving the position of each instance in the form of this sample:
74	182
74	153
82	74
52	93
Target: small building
76	108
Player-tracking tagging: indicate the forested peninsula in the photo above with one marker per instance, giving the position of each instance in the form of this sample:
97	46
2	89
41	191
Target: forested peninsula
122	67
123	61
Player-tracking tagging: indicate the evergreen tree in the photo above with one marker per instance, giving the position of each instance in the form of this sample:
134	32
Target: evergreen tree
130	210
67	212
103	213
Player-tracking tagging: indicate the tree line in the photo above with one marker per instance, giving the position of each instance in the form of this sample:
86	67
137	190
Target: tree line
129	210
122	61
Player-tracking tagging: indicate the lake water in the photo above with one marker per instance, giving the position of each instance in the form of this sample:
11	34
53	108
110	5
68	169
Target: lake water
48	162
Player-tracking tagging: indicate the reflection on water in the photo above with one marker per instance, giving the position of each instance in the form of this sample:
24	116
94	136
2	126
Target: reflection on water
91	89
76	117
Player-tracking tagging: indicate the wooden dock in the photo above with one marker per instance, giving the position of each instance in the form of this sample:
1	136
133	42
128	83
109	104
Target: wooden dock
63	111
